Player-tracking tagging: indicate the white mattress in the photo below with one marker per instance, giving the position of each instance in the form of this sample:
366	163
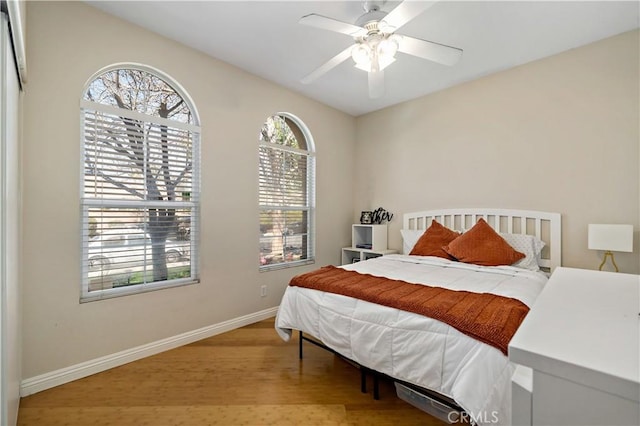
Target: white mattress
412	347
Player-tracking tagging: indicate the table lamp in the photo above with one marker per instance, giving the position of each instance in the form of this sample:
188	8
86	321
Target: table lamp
610	238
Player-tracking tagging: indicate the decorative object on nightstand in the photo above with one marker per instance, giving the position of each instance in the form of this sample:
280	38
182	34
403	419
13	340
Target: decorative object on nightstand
376	217
365	217
379	215
610	238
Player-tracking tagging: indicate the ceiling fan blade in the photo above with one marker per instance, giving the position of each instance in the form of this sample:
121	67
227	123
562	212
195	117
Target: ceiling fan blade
329	65
429	50
406	11
319	21
376	84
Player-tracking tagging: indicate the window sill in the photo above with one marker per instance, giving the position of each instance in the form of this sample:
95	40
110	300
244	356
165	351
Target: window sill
130	290
285	265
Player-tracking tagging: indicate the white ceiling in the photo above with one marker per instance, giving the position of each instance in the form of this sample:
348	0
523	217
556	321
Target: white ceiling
265	39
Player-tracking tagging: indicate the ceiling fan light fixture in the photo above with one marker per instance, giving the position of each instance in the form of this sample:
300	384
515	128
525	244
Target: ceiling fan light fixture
388	47
375	52
361	54
382	64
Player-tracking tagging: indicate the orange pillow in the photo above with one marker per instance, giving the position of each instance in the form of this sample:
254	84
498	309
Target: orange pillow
433	240
481	245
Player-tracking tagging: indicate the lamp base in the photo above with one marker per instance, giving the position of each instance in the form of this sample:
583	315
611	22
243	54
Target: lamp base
613	260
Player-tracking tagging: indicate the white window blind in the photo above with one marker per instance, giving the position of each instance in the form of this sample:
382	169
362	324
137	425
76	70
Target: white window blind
286	194
140	190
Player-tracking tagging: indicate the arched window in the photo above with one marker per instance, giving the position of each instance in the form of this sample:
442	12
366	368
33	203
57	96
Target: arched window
140	184
286	192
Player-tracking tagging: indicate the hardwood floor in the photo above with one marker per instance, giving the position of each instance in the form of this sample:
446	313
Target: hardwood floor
247	376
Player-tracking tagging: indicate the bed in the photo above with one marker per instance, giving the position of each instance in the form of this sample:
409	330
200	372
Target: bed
418	351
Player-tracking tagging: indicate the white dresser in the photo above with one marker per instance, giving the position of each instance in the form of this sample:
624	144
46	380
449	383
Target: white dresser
579	352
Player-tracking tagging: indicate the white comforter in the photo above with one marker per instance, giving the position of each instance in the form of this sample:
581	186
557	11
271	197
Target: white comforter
412	347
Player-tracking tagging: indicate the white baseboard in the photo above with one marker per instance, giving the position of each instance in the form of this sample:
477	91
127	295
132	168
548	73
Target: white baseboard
68	374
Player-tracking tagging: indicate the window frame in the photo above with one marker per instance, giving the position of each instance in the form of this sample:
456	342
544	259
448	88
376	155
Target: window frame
310	182
87	203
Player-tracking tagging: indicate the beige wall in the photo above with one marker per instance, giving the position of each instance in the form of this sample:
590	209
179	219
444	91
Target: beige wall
560	134
68	42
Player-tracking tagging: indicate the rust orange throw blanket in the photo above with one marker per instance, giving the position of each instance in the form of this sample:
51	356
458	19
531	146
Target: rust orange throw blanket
486	317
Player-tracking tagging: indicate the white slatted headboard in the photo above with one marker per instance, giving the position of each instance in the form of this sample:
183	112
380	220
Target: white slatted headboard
544	225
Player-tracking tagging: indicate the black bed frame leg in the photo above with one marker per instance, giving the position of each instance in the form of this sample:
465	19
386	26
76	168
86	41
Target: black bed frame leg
376	388
300	343
363	370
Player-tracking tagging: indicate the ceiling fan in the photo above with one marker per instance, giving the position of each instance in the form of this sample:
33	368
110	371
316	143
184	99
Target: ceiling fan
376	41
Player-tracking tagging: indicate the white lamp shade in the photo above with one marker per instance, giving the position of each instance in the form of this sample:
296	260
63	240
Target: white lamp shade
611	237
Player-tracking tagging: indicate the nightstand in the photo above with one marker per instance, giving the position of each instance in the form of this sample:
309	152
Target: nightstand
367	241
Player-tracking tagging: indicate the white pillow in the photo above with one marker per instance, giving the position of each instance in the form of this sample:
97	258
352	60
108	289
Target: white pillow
409	239
529	245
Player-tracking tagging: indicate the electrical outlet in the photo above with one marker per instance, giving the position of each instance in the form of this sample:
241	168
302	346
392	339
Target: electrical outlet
263	291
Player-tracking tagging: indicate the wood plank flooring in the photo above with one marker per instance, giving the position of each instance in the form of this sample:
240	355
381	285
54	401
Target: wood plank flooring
247	376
